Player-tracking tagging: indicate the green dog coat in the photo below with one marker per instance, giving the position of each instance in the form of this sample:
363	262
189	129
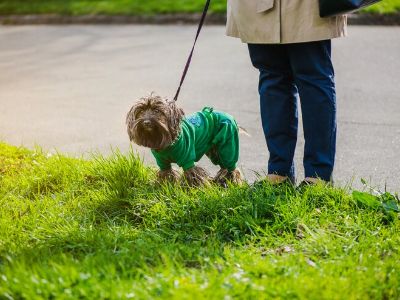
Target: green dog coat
208	132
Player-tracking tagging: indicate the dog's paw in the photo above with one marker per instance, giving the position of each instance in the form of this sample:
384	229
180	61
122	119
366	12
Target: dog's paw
236	177
196	176
167	176
223	177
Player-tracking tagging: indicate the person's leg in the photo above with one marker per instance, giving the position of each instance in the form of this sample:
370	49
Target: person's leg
314	76
278	105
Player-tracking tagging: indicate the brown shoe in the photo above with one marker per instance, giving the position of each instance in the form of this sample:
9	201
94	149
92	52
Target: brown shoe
274	180
311	181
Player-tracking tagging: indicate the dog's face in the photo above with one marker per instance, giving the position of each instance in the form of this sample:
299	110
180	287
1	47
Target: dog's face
154	122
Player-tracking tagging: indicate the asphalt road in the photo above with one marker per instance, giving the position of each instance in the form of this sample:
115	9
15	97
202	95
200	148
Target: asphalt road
69	88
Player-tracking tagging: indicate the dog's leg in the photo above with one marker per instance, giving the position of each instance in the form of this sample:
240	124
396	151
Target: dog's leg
235	176
197	176
224	176
220	177
167	175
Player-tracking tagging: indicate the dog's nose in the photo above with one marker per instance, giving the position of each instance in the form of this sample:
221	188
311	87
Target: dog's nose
147	123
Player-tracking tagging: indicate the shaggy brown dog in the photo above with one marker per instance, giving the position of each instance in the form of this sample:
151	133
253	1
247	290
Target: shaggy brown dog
154	123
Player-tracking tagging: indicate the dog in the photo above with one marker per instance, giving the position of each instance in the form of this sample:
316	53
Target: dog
162	126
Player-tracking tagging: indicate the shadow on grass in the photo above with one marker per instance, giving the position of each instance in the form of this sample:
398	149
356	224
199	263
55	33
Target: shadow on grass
156	228
153	224
121	218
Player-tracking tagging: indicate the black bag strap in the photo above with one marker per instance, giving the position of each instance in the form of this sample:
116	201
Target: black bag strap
203	17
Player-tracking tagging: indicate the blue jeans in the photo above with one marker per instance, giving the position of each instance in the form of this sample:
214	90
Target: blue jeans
286	71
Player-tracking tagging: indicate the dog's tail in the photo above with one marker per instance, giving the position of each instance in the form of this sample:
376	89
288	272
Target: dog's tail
244	131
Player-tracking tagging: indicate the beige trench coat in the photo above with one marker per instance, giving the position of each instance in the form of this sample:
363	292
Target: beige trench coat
281	21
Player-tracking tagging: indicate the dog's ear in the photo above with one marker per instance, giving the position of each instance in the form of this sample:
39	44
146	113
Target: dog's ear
176	116
137	107
130	116
130	121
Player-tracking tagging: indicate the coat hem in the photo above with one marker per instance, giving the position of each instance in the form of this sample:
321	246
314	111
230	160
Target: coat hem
343	33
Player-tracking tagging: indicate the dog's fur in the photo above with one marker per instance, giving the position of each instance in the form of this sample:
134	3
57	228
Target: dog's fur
154	123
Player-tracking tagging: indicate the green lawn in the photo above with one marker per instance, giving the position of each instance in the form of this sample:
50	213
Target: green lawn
100	229
132	7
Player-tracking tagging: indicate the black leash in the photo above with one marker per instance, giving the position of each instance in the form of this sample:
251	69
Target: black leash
203	17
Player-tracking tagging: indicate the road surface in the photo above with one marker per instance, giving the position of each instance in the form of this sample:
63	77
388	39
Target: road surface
69	88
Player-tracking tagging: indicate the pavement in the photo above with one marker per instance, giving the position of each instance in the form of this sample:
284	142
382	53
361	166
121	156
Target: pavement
391	19
68	88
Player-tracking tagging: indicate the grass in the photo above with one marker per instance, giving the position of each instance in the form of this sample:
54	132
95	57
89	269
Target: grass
134	7
101	229
106	7
385	7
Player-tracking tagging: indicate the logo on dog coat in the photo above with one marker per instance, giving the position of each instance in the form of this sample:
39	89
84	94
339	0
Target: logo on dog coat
195	120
